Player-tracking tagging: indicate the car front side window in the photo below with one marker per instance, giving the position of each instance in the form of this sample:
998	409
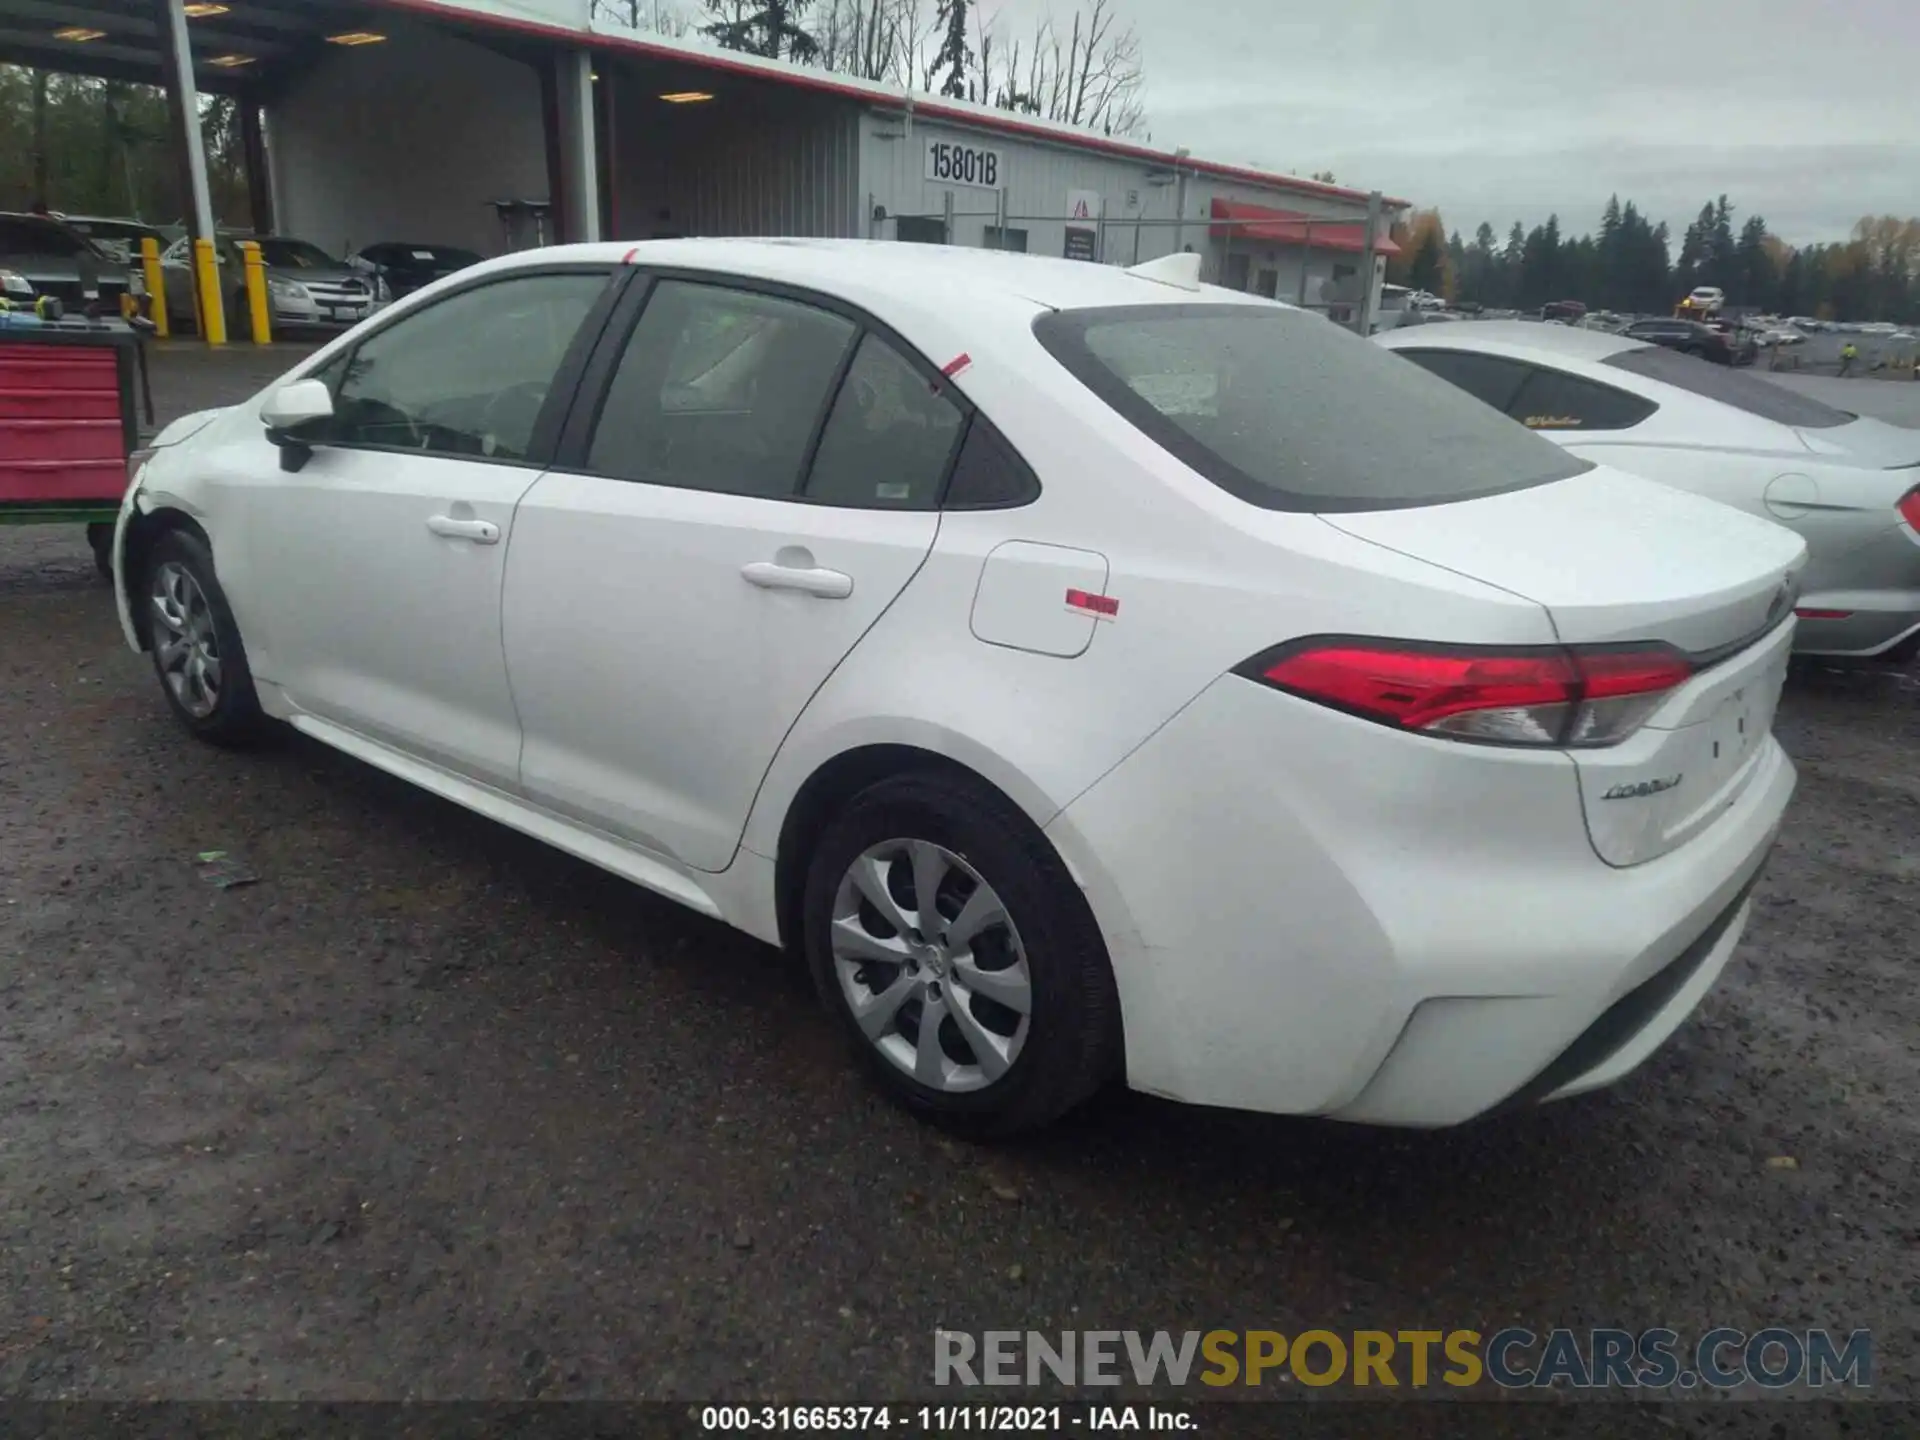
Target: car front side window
465	377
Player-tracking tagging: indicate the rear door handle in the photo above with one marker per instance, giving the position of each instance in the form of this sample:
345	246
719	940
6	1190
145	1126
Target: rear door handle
481	532
826	584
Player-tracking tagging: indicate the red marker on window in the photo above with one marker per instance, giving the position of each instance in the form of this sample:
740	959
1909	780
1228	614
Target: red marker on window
954	366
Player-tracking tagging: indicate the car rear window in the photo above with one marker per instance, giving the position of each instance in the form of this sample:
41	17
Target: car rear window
1737	388
1289	412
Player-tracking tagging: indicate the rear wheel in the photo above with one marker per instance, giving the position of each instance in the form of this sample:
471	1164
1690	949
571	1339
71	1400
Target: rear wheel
960	956
195	644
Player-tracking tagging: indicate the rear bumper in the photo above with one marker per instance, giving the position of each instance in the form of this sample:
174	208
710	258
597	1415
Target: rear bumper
1870	623
1309	914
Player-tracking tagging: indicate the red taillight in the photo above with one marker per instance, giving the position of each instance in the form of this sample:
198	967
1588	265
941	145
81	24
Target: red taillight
1546	695
1909	507
1824	614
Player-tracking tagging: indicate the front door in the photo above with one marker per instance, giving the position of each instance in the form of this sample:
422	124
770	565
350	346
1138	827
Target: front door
676	598
381	559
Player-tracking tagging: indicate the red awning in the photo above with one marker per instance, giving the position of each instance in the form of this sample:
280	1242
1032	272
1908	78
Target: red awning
1290	227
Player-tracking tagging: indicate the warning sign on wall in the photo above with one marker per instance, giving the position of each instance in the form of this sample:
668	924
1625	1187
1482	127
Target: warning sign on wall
1083	225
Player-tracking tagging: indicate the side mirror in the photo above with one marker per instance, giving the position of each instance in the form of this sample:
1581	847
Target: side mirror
291	409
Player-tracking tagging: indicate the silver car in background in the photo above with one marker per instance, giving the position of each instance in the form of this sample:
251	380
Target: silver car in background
305	285
1850	486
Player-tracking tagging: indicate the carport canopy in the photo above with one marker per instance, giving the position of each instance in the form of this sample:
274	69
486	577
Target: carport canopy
241	48
238	47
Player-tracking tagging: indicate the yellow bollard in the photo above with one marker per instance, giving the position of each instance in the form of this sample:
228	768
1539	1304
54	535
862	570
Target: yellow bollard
257	309
156	285
206	285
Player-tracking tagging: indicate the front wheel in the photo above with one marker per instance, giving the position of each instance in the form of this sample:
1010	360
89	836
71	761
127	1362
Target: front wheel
960	957
195	644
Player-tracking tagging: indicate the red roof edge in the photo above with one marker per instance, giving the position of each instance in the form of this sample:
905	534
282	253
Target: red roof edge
1290	227
928	105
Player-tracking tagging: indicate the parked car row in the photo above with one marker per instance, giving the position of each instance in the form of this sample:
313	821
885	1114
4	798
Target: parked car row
40	256
85	260
1044	652
1850	486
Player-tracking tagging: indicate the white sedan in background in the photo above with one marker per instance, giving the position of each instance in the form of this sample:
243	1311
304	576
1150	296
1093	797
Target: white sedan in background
1091	673
1850	486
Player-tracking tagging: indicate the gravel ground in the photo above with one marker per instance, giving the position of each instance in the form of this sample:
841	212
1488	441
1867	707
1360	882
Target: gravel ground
431	1111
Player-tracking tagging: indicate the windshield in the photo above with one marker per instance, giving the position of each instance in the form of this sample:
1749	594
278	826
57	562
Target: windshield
1730	387
1288	412
297	255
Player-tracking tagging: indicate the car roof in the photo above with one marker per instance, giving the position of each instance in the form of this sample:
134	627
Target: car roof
909	274
1520	339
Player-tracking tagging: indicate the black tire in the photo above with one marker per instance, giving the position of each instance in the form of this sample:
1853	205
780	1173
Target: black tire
235	717
100	537
1072	1043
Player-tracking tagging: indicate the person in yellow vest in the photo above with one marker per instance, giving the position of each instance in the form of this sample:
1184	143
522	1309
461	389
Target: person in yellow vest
1849	353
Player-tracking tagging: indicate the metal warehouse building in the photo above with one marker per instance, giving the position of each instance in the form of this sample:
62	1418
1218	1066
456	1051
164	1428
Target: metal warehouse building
413	120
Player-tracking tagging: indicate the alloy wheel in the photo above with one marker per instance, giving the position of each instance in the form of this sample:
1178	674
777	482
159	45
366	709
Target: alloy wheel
931	965
186	647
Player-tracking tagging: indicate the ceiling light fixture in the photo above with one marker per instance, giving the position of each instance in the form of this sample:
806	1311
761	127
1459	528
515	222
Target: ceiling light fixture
356	37
231	62
686	97
78	33
203	8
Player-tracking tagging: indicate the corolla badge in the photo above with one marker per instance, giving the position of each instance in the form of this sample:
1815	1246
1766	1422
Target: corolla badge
1641	789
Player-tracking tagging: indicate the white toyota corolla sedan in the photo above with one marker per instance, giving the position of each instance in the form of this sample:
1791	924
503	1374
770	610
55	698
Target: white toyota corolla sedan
1092	673
1850	486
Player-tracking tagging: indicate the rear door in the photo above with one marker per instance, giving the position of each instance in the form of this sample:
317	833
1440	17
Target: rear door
748	480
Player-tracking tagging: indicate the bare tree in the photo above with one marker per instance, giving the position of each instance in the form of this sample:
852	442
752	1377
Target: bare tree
1083	70
1090	75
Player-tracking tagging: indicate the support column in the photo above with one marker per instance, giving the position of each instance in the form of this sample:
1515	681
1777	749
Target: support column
183	101
1369	281
580	159
553	131
607	138
259	190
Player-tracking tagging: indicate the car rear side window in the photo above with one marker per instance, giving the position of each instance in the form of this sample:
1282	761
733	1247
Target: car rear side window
1730	387
1288	412
1555	400
889	437
1492	378
989	475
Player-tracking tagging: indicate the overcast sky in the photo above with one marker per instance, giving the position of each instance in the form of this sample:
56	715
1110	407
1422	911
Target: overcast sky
1804	111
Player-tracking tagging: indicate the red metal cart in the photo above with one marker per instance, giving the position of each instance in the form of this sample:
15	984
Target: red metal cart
68	423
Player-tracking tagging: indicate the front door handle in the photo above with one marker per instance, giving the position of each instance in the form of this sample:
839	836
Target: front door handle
481	532
826	584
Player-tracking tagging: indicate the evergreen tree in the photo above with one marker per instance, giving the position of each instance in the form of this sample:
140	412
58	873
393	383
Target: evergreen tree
772	30
955	56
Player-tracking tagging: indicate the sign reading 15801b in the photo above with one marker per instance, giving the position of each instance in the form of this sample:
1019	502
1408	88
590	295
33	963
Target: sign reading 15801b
955	164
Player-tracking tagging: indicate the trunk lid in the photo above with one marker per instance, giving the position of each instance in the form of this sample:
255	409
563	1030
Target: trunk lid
1871	442
1610	557
1614	559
